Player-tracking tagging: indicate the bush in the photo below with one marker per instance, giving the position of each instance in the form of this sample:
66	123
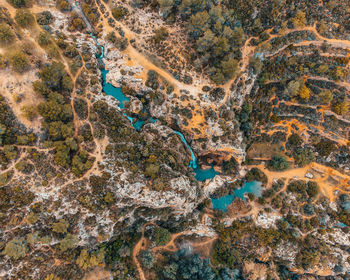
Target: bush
44	39
24	18
16	248
20	3
325	147
119	12
19	62
160	35
121	43
312	189
60	227
325	96
44	18
6	34
68	242
63	5
278	163
341	108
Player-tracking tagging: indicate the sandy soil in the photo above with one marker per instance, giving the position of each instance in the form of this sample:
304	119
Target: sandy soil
14	86
98	274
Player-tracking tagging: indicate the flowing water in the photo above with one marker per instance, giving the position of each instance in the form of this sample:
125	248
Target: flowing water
109	89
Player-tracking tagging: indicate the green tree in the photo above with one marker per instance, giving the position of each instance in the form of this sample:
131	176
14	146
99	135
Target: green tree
279	163
148	259
162	236
312	189
197	24
206	42
303	156
229	67
44	18
44	39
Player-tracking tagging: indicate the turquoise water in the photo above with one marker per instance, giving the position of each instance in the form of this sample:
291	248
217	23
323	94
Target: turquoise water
200	174
204	174
109	89
249	187
193	162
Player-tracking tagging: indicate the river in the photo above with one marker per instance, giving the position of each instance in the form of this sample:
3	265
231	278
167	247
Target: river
109	89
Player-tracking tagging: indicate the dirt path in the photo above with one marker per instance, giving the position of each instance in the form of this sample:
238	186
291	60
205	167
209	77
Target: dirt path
327	178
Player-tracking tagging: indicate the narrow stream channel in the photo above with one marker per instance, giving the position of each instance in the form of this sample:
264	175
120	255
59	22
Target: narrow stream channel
109	89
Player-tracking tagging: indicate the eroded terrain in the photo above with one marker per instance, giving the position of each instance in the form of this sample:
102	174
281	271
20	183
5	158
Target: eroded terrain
107	108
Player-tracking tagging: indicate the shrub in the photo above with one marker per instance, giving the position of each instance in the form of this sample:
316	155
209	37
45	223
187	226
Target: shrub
341	108
304	92
63	6
44	38
60	227
325	96
119	12
20	3
6	34
160	35
68	242
44	18
16	248
325	147
24	18
19	62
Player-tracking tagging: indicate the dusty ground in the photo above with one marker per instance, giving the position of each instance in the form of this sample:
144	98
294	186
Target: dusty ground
98	273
